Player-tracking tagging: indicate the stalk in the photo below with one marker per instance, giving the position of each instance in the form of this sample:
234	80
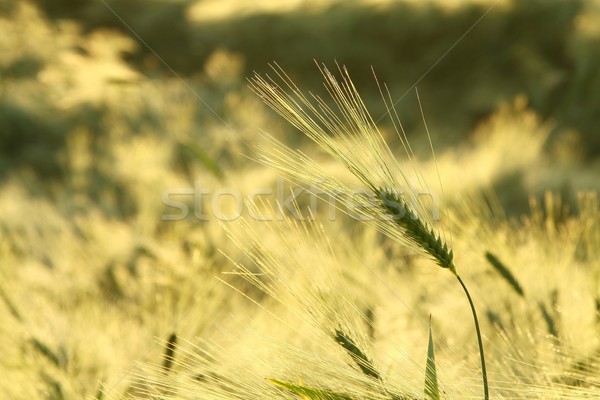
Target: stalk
423	236
370	166
486	392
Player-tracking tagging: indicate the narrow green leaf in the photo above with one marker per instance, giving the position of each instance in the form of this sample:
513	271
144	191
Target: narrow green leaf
308	392
208	162
431	385
504	272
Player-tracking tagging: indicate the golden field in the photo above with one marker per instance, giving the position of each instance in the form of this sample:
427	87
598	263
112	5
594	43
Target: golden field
149	249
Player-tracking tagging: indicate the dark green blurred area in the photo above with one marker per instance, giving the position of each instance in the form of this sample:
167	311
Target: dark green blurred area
463	62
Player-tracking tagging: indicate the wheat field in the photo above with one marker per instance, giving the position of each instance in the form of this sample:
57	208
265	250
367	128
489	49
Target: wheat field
190	212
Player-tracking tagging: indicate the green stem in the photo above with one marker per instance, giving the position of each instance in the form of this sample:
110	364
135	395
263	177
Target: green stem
486	392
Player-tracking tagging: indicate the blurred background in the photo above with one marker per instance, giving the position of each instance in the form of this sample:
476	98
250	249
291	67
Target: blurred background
80	78
106	104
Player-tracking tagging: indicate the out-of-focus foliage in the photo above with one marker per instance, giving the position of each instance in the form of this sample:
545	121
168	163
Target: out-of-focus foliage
546	49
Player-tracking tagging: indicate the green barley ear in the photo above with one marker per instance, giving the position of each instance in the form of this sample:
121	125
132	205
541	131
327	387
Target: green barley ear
551	318
358	356
55	388
48	353
505	273
416	229
169	354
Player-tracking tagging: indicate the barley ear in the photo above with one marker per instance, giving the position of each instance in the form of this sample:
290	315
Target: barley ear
358	356
417	230
505	273
169	354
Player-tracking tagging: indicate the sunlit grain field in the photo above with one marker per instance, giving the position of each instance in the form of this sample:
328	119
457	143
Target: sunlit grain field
165	234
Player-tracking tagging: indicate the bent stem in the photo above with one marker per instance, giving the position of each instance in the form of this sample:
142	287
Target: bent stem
486	393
